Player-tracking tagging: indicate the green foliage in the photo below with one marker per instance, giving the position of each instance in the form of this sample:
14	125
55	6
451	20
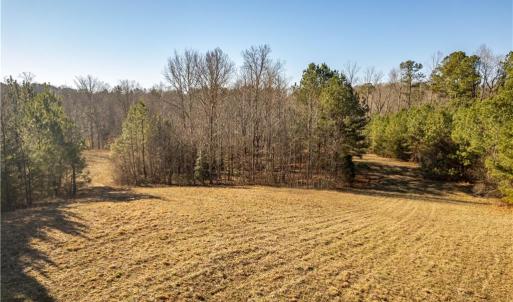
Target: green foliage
145	152
201	168
410	71
346	167
472	140
457	77
506	81
429	139
131	148
344	119
41	147
374	133
439	160
416	133
343	116
485	130
410	76
421	134
334	118
314	78
313	81
388	136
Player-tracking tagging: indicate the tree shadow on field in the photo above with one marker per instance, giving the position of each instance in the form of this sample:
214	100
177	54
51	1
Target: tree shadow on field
112	194
21	260
404	181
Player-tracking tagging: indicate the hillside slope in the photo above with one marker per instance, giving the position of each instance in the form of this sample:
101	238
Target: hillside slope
394	237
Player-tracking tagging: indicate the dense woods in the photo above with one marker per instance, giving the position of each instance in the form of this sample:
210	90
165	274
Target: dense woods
255	131
41	147
212	122
468	136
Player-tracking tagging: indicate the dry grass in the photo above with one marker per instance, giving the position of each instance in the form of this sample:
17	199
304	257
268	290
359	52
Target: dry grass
260	243
99	168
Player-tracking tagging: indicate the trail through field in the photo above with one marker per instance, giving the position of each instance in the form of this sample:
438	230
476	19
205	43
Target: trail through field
99	167
394	237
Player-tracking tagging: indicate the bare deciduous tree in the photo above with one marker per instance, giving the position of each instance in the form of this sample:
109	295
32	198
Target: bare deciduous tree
215	69
91	86
126	91
351	70
489	67
256	62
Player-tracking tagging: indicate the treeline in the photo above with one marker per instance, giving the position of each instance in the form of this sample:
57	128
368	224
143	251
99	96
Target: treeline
99	109
244	127
40	148
213	122
468	136
411	83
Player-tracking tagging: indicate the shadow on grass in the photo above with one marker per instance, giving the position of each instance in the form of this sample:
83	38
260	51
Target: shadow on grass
420	197
107	193
380	179
21	260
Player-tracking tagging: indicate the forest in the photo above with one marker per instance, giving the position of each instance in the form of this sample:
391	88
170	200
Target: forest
213	123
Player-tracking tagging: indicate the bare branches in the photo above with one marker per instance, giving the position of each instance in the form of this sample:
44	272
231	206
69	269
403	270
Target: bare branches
489	67
351	70
435	61
26	77
256	59
182	71
214	69
369	75
89	84
126	94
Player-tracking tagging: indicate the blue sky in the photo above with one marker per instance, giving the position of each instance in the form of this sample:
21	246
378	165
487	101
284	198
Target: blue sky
123	39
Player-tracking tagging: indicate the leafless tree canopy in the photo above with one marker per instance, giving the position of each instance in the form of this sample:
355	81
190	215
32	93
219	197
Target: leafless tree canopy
245	123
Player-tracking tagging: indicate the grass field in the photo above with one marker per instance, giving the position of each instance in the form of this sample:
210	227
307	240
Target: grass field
394	237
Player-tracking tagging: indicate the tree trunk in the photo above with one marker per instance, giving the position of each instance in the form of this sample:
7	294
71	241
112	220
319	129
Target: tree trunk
73	181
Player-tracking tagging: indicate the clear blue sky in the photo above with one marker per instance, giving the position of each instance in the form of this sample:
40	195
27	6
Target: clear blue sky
123	39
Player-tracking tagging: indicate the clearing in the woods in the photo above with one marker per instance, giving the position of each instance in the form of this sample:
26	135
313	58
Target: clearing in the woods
395	237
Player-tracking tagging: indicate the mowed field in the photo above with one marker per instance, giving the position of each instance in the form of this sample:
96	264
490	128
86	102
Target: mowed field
393	238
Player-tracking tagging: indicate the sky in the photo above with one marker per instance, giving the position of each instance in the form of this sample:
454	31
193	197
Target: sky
132	39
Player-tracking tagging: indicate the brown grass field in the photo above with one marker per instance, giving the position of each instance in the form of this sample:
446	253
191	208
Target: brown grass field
394	237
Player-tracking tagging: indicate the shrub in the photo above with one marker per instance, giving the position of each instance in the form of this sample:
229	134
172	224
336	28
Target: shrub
485	130
395	137
387	135
421	134
201	168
